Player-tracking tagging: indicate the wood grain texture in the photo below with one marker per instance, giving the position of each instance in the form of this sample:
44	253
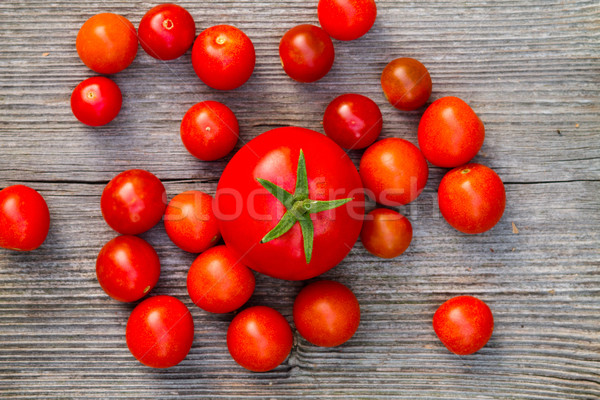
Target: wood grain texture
530	69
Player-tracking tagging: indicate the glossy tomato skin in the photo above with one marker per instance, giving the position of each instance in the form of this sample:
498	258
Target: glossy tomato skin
127	268
190	221
167	31
259	339
96	101
472	198
306	53
160	332
133	202
209	130
107	43
347	19
386	233
217	282
247	212
464	324
394	171
24	218
326	313
450	133
353	121
406	83
223	57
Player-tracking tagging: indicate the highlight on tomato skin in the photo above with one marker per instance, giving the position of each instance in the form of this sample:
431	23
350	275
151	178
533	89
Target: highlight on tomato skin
24	218
464	324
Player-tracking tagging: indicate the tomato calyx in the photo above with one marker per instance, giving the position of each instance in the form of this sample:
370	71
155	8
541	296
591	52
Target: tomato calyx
299	208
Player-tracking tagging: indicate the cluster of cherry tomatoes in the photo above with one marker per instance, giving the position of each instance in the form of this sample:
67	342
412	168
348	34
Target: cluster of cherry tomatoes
393	172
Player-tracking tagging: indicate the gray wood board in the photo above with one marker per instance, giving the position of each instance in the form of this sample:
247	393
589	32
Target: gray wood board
530	69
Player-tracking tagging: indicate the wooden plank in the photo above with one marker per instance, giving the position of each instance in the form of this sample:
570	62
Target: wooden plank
530	70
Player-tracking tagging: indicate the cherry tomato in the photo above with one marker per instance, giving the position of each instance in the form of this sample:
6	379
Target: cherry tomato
394	171
160	332
24	218
259	338
191	223
406	83
326	198
472	198
107	43
223	57
209	130
450	133
133	202
167	31
326	313
306	53
347	19
127	268
353	121
217	282
464	324
386	233
96	101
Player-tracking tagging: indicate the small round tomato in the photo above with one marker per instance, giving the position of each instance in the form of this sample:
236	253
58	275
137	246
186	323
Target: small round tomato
190	221
353	121
450	133
464	324
107	43
223	57
96	101
24	218
217	282
394	171
306	53
386	233
347	19
259	338
472	198
160	332
209	130
167	31
127	268
326	313
133	202
406	83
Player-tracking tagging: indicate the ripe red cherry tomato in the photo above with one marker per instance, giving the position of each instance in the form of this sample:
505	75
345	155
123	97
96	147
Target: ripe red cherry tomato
160	332
259	338
472	198
406	83
326	313
347	19
248	212
167	31
386	233
133	202
24	218
223	57
450	133
217	282
306	53
190	221
96	101
209	130
353	121
394	171
127	268
107	43
464	324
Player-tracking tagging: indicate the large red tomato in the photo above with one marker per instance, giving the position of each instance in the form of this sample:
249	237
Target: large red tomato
302	184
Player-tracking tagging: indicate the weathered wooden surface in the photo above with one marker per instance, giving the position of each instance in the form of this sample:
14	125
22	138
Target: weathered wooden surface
529	68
